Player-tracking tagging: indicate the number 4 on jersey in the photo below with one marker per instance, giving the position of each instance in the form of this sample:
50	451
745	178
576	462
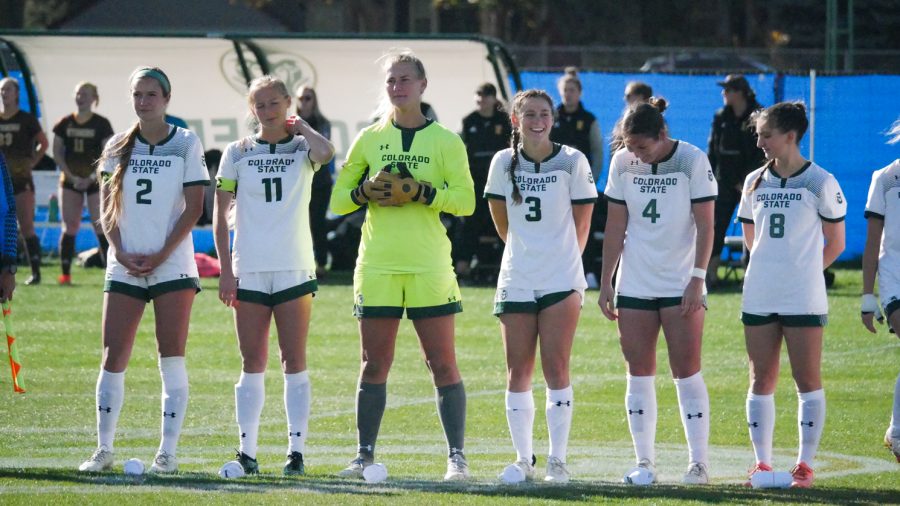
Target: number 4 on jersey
650	211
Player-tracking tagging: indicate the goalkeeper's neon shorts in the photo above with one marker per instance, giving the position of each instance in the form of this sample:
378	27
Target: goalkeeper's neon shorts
424	295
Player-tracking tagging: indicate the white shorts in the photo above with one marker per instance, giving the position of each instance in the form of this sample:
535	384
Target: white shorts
275	287
171	276
518	300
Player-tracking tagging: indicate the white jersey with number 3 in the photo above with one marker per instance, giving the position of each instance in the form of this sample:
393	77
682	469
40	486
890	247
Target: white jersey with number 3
660	235
274	181
884	204
784	275
153	192
542	250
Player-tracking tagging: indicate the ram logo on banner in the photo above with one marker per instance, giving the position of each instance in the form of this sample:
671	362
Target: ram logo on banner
293	69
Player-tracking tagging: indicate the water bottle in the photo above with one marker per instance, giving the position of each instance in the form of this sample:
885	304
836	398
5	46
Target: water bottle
53	209
771	479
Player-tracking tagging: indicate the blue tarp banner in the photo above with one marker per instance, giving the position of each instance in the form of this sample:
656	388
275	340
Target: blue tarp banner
852	114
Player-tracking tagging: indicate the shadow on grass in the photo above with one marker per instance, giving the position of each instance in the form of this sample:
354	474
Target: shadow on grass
574	491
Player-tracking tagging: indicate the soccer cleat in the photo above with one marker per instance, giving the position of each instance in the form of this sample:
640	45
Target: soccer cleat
34	279
355	469
164	463
642	474
248	463
556	471
519	471
892	444
803	476
294	465
760	466
697	474
65	279
457	468
101	460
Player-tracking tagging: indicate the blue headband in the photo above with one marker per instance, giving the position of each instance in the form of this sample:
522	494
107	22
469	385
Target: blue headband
155	74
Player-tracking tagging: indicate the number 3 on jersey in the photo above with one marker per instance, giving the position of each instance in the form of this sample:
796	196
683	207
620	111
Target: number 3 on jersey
534	209
650	211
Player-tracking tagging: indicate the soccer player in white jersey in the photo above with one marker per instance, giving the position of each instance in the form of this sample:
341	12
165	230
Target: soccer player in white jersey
881	257
541	195
271	270
789	208
151	196
659	232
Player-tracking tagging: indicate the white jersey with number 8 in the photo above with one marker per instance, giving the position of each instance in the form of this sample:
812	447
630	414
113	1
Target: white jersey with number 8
784	275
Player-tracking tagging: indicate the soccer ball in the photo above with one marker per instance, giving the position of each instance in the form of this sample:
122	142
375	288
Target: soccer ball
133	467
512	474
232	469
639	476
376	473
771	479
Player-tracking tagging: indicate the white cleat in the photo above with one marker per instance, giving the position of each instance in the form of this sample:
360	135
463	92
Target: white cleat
457	468
556	471
643	474
517	472
697	474
101	460
892	444
164	463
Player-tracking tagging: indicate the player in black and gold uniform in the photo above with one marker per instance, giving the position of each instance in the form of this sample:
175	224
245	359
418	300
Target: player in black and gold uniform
23	143
79	141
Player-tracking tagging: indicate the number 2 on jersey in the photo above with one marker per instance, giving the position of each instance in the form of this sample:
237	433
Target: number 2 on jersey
534	209
650	211
147	186
269	183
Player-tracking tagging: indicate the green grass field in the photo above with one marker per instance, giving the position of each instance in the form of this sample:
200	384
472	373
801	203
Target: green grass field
48	431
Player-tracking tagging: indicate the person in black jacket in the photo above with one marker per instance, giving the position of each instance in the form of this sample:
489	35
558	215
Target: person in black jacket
577	127
484	131
732	154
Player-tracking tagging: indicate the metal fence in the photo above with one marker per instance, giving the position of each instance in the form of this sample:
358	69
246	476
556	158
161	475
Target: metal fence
699	59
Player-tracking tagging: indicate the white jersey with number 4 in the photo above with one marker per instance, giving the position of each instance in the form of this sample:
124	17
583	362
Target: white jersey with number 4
274	181
884	204
153	192
660	235
542	250
784	275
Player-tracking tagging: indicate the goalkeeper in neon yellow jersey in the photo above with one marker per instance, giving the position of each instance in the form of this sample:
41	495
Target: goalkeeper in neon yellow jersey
407	170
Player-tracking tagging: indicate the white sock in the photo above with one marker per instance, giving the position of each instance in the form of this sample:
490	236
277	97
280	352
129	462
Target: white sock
761	422
693	402
174	401
249	397
640	405
559	420
520	417
895	417
110	395
297	398
811	416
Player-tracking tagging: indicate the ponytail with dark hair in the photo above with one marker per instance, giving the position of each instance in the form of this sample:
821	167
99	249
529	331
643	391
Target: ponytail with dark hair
785	117
643	119
120	151
514	144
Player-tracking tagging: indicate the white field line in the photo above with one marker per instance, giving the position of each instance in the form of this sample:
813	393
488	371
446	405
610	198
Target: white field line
587	462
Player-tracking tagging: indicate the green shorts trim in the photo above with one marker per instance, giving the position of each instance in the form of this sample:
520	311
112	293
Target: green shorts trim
529	307
626	302
415	313
147	294
891	307
272	300
786	320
